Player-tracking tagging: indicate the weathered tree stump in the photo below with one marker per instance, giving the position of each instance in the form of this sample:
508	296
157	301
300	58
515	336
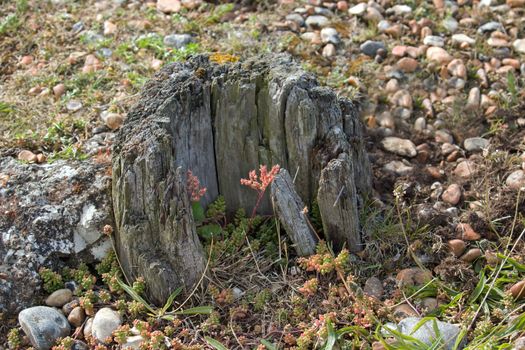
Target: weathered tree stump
220	122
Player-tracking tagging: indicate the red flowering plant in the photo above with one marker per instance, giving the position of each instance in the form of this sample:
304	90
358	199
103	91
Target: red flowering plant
260	183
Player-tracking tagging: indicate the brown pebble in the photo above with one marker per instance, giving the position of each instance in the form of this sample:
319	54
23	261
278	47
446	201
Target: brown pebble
404	310
452	194
467	233
59	89
27	156
471	255
59	298
518	290
77	316
40	158
67	308
413	277
457	246
114	121
26	60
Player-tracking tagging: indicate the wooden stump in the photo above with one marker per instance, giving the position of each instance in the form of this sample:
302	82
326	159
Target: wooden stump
220	122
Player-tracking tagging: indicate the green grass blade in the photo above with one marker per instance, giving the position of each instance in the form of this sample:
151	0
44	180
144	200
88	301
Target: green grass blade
198	310
171	299
215	343
332	336
132	293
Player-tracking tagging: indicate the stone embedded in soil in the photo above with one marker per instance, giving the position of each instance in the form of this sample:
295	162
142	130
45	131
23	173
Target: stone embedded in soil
457	68
169	6
491	27
317	21
404	310
27	156
330	35
114	120
43	325
177	41
426	333
77	316
329	50
463	39
467	233
475	144
471	255
457	246
429	304
59	297
371	48
452	194
516	180
398	167
465	169
110	28
433	40
439	55
59	90
518	290
402	147
373	287
407	64
105	322
358	9
413	277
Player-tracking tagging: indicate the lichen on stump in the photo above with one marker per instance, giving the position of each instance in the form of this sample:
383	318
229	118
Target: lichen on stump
220	122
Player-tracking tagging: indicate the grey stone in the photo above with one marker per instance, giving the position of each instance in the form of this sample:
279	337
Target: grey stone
317	21
74	106
105	322
330	35
398	167
43	325
370	47
490	27
177	41
519	45
373	287
61	210
447	332
399	10
433	40
133	342
474	144
402	147
296	18
383	25
462	38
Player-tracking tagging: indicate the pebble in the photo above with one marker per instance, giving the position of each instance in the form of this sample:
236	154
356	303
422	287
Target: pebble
519	344
429	304
43	325
474	99
462	39
370	48
177	41
399	10
330	35
169	6
465	169
88	327
26	60
74	106
467	233
457	68
519	45
471	255
420	124
450	24
59	90
59	297
404	310
402	98
296	18
439	55
342	5
457	246
432	40
402	147
68	307
373	287
110	28
114	120
452	194
398	167
413	277
516	180
475	144
443	136
426	333
77	316
105	322
358	9
27	156
490	27
518	290
407	64
317	21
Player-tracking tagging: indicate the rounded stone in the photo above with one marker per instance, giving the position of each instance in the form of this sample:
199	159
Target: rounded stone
452	194
402	147
373	287
43	325
457	246
105	322
59	297
516	180
77	316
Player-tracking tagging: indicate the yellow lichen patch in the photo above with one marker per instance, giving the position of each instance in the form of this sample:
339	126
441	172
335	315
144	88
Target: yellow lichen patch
222	58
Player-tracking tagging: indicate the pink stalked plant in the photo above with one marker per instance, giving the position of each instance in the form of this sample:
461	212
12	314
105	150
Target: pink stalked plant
260	183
